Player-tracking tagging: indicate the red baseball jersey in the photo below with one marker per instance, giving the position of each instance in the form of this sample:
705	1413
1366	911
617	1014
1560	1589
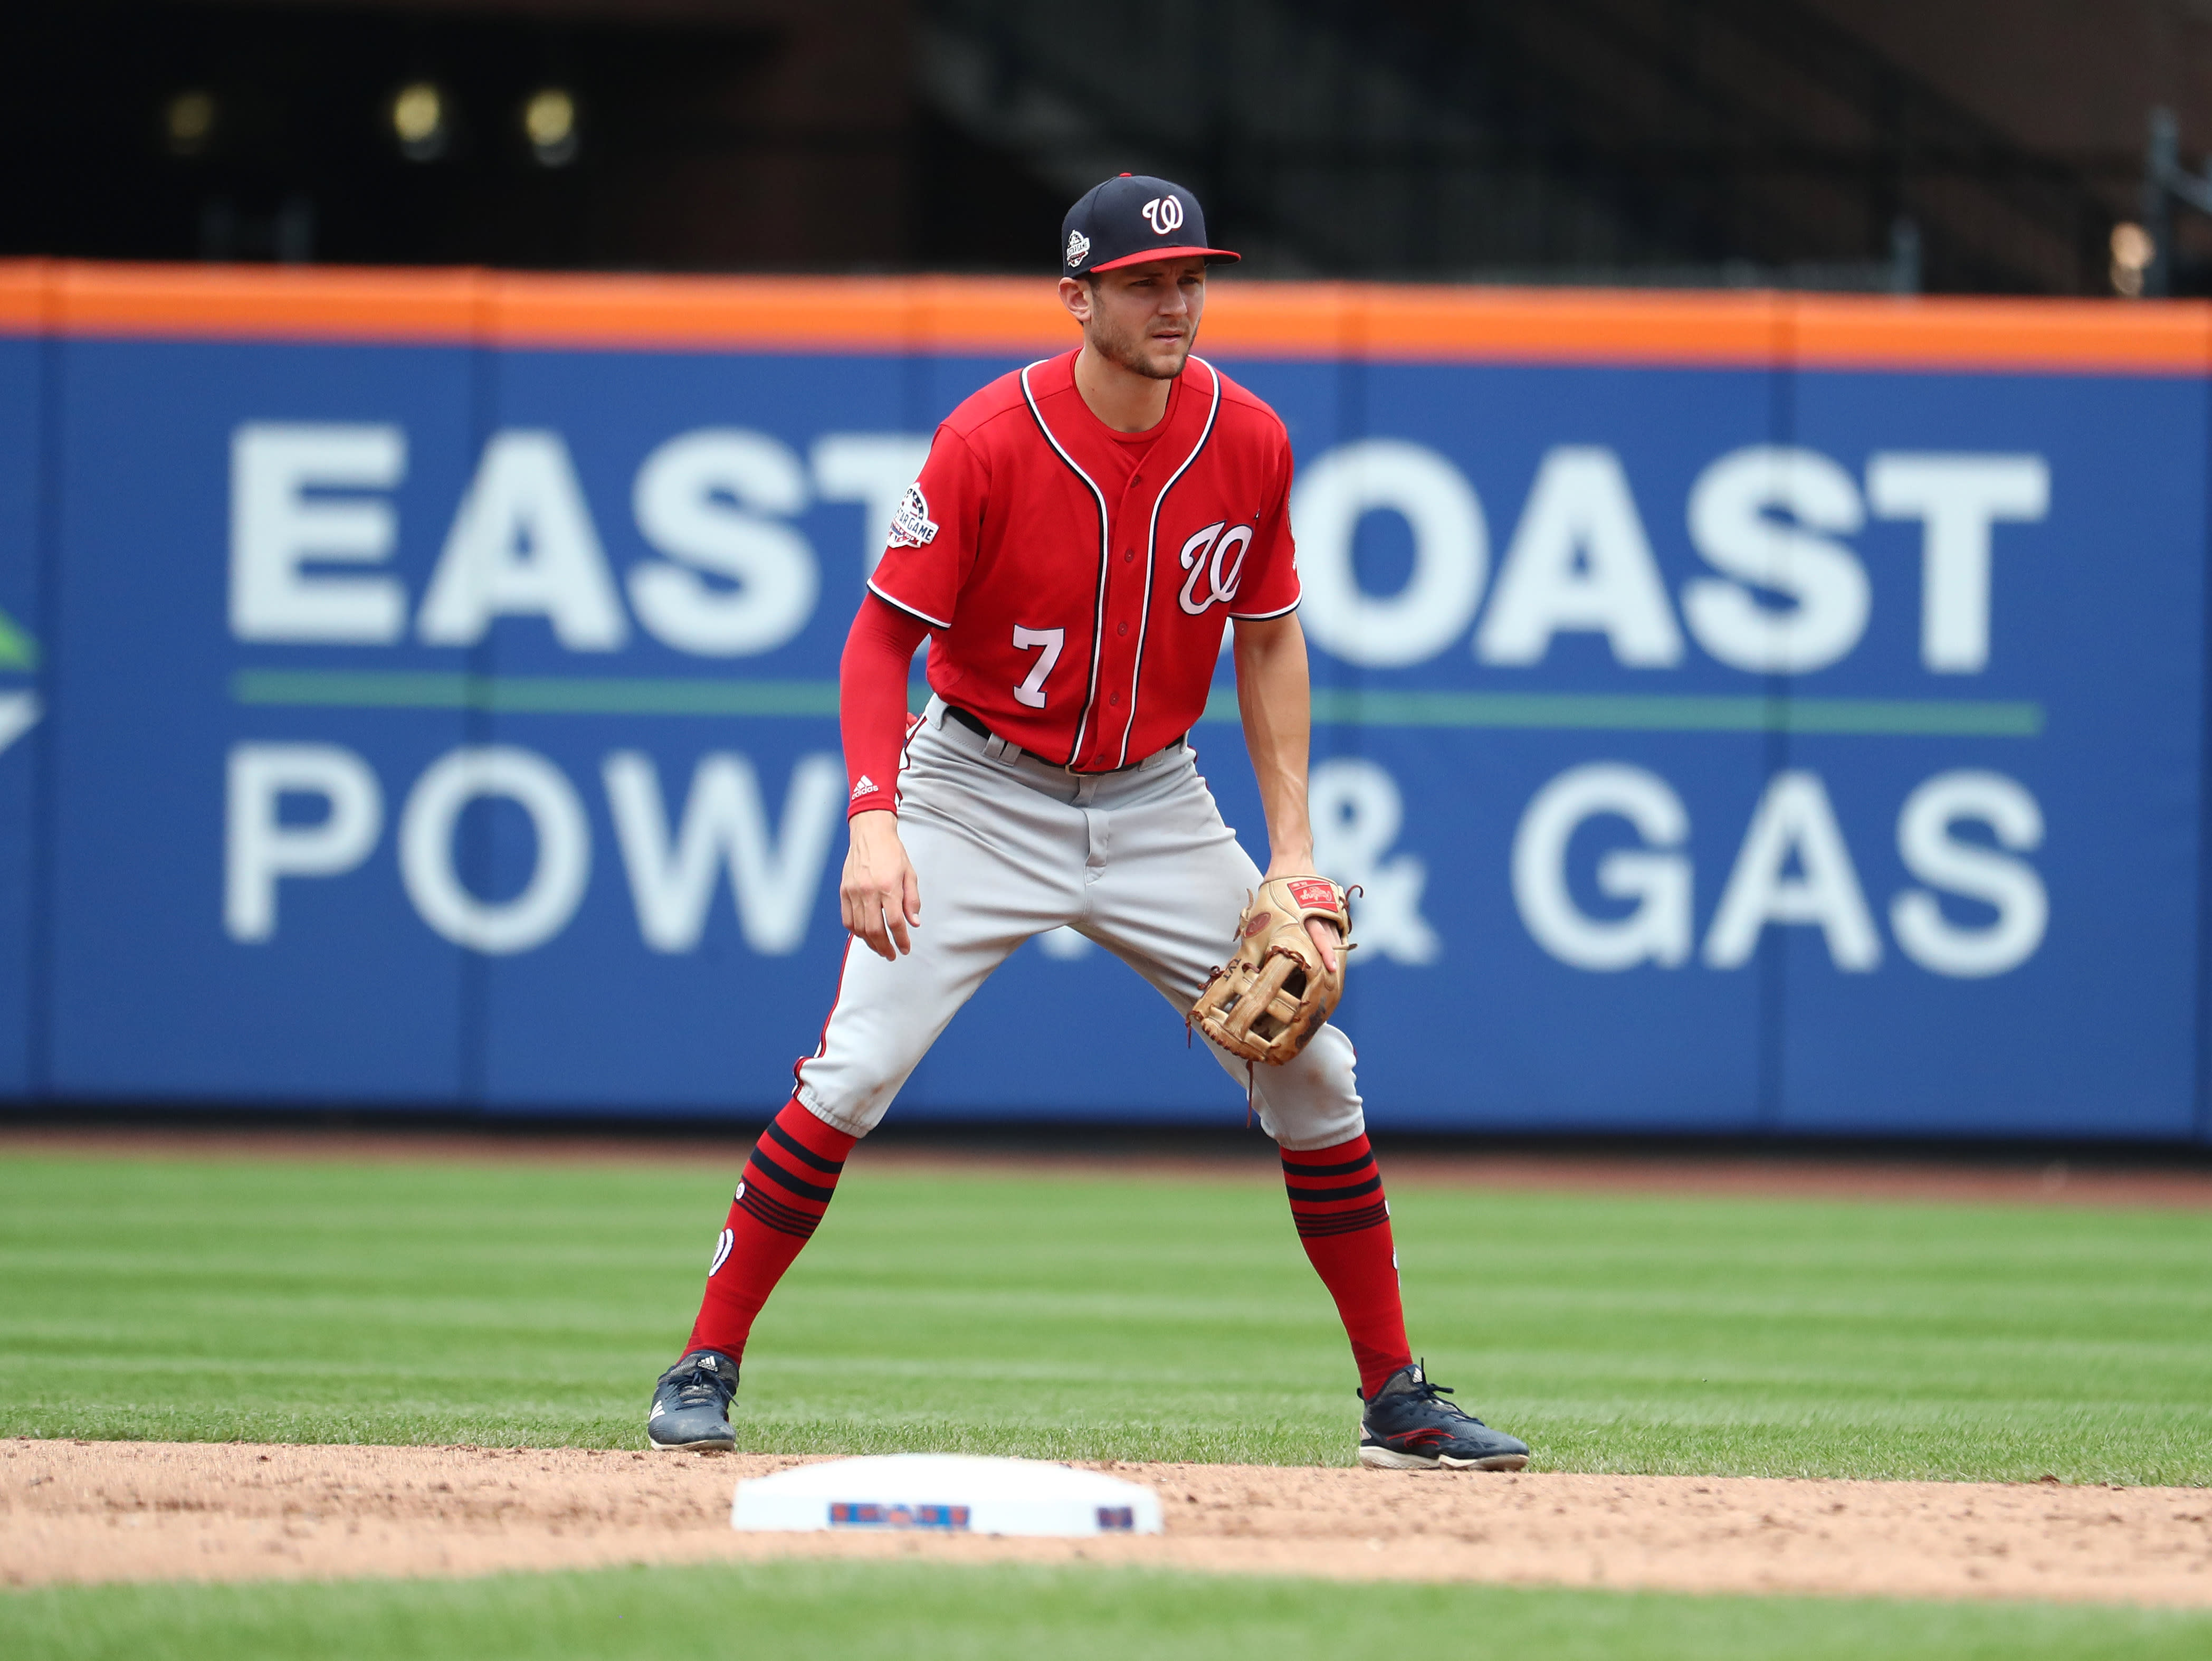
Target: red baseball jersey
1077	580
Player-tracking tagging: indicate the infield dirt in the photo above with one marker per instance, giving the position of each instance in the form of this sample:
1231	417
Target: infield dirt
77	1511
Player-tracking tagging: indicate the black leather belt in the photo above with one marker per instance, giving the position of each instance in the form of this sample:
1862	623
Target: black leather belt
974	724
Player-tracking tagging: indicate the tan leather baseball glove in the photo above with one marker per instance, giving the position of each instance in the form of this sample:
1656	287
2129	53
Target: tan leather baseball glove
1273	995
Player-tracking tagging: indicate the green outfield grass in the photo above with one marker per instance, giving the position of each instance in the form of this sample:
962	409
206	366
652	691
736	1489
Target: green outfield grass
1106	1315
797	1611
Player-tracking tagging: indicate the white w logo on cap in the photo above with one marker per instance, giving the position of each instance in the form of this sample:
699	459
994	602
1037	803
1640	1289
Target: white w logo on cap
1164	214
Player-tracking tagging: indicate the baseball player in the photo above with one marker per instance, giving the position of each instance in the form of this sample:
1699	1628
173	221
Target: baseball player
1081	535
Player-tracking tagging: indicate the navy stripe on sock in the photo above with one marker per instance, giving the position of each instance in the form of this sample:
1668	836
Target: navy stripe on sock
1292	1169
799	1150
1350	1191
777	1174
1343	1222
774	1213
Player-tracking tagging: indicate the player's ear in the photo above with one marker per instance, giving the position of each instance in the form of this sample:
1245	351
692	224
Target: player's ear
1076	296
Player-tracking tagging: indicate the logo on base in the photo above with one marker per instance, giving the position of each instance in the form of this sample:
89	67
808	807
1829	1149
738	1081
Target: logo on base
858	1514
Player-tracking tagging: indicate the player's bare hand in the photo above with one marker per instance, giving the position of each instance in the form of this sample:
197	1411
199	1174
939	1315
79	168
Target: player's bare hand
1326	936
880	894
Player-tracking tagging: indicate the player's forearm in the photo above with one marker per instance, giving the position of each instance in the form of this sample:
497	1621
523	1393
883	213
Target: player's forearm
871	702
1275	699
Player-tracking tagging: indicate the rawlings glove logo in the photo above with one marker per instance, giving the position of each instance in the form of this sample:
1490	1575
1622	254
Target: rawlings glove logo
912	526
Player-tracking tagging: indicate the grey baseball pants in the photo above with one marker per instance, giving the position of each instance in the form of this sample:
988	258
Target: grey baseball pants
1006	846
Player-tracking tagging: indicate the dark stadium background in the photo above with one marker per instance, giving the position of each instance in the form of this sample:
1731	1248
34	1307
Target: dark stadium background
1977	146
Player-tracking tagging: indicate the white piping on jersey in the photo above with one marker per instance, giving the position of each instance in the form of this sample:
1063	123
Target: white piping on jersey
901	605
1105	561
906	751
1262	617
1152	537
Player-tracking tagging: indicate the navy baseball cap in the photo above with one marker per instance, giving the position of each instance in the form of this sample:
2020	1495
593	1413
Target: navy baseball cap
1133	218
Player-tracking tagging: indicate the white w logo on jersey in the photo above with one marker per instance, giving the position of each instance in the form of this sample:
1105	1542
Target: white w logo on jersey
1164	214
1207	557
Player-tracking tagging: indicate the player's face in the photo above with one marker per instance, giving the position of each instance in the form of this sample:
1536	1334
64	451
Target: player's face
1145	318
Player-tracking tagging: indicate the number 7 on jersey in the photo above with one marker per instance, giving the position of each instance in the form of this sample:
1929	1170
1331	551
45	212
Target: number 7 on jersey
1031	691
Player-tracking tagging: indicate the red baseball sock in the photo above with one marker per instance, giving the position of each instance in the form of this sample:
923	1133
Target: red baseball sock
1344	1223
787	1186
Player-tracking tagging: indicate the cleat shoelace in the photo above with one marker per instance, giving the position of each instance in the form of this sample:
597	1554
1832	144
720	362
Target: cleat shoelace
1430	1393
698	1389
1433	1395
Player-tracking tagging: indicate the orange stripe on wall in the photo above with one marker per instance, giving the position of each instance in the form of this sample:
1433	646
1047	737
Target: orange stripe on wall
218	302
781	313
1430	323
23	288
2062	336
1015	315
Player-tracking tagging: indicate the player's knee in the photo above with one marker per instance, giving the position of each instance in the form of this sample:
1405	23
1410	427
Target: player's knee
855	1113
1313	1100
1300	1129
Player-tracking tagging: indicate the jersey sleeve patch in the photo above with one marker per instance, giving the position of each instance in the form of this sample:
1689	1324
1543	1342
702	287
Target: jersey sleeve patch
911	525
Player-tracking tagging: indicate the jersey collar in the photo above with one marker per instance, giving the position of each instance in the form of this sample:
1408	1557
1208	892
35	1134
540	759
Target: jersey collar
1091	440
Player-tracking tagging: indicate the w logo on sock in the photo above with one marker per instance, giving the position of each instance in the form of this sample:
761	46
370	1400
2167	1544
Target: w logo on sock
721	1251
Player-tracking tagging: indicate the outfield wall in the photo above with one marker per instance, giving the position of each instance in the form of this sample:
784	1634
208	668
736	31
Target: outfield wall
1742	712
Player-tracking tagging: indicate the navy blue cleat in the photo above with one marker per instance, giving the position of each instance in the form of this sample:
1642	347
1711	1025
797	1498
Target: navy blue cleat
1409	1426
691	1405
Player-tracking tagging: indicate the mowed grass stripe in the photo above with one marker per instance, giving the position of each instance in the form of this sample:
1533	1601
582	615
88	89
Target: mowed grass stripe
932	1612
1101	1315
